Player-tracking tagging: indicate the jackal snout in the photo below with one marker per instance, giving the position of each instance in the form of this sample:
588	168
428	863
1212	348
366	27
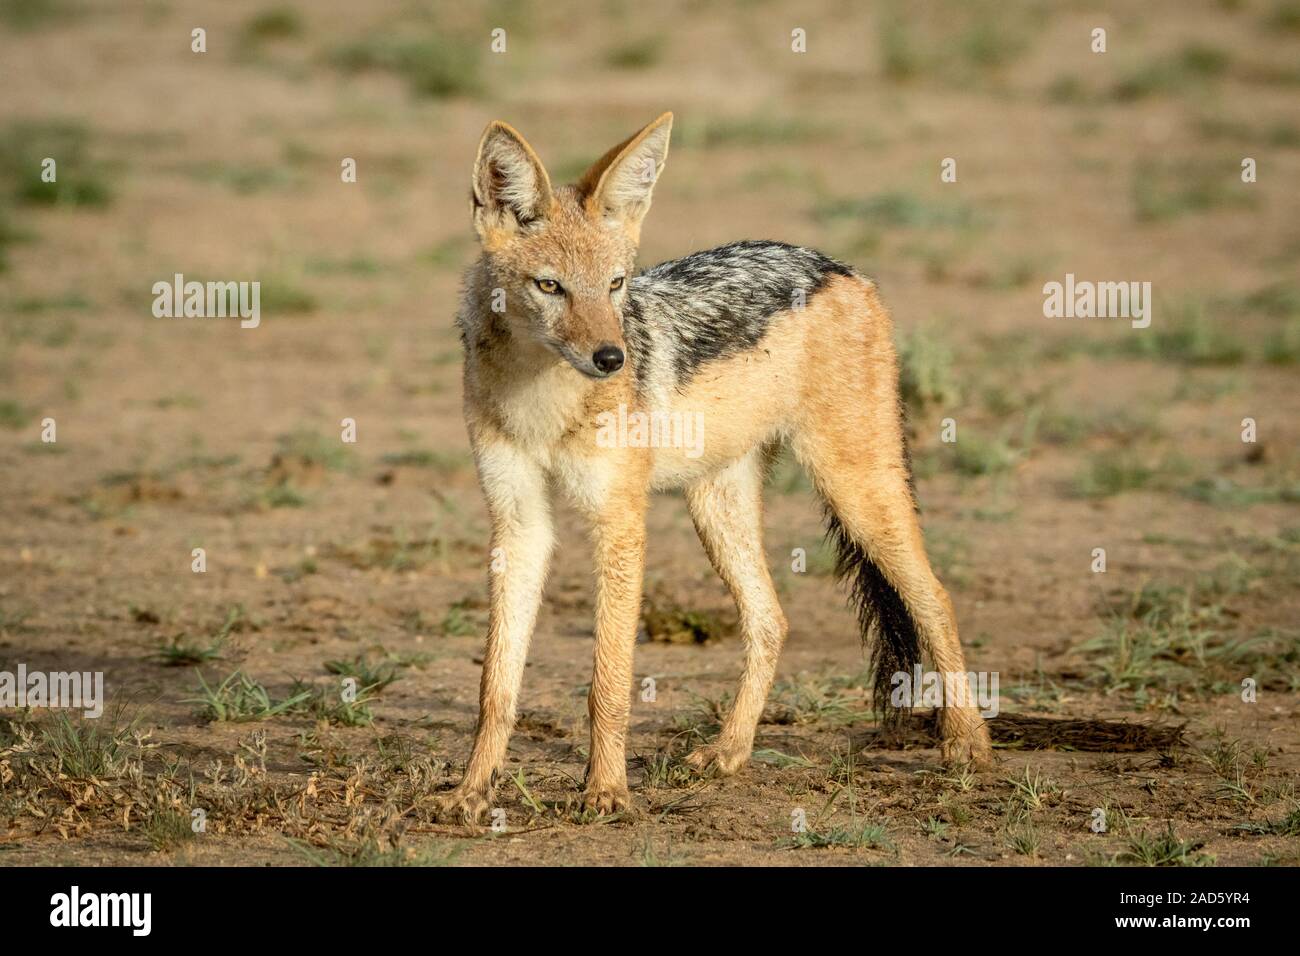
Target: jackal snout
591	337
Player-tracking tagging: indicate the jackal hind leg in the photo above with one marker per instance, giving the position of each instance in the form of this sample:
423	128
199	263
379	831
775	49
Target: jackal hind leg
870	497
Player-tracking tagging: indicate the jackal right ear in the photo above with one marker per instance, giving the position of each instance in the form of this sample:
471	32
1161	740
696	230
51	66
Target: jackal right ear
510	189
617	187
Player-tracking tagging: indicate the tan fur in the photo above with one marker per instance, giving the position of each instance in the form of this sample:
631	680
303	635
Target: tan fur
618	186
727	509
850	439
532	421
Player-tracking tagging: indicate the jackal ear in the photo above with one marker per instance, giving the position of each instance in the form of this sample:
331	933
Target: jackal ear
617	188
510	189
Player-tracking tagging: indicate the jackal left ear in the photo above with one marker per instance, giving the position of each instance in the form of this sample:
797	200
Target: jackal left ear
510	188
617	188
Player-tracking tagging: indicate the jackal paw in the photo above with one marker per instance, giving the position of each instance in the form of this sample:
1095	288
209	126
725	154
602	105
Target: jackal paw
607	799
971	749
462	805
717	759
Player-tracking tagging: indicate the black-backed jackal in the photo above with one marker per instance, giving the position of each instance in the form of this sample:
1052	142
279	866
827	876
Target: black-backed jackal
763	343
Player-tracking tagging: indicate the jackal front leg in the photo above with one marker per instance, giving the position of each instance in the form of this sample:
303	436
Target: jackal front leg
619	532
521	547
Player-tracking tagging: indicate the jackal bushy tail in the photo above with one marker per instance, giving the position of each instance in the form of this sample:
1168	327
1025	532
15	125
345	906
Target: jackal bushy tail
887	628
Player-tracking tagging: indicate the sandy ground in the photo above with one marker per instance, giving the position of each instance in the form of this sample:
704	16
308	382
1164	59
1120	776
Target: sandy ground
1073	434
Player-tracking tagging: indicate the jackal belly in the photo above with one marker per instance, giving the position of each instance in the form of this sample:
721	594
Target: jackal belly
733	405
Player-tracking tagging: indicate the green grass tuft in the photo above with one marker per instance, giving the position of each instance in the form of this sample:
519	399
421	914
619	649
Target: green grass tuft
926	371
238	698
1163	849
438	66
273	23
638	54
80	180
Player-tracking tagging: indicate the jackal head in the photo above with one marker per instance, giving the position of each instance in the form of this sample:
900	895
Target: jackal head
564	255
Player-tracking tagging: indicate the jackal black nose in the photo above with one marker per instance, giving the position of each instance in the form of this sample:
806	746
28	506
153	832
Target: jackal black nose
608	359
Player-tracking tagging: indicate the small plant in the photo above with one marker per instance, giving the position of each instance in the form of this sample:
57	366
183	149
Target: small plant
934	828
1024	840
653	857
182	651
274	23
702	720
1112	473
90	749
1179	636
333	706
81	180
13	415
439	461
666	771
1288	826
671	624
810	700
373	677
843	768
374	851
283	495
282	296
313	448
1163	849
238	698
1238	771
1224	757
976	454
434	65
525	794
897	210
1178	72
1162	192
962	779
636	54
898	49
167	829
926	371
783	760
1031	789
456	623
414	622
1189	334
13	620
858	835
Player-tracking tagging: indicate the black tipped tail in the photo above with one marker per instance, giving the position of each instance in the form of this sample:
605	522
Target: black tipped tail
887	628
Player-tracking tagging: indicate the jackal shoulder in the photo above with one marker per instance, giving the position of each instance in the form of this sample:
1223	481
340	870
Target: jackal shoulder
713	304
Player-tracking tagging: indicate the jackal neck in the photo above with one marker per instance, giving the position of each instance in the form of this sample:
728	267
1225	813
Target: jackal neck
514	384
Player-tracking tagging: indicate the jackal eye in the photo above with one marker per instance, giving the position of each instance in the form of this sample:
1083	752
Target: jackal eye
549	286
615	283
